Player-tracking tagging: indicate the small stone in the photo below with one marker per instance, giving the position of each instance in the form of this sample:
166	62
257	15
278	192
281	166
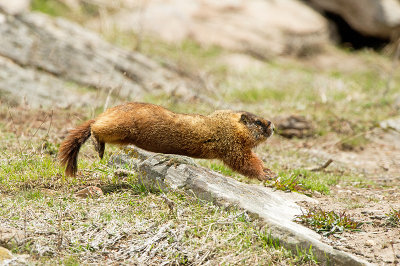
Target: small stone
120	172
393	123
92	191
369	243
294	126
378	217
5	254
48	192
10	237
396	104
15	7
316	193
344	191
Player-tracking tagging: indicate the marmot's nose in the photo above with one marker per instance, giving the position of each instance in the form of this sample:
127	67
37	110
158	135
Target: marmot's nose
271	125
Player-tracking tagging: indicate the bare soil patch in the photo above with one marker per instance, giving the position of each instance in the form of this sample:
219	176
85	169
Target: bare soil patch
370	202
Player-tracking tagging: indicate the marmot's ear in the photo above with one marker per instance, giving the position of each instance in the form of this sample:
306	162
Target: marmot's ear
244	118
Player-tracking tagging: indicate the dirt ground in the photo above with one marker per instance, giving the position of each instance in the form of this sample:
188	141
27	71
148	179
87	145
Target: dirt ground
379	163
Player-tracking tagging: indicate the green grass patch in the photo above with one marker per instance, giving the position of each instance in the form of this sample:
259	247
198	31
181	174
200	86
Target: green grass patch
306	256
258	94
355	143
70	261
393	218
33	163
85	11
50	7
33	195
302	180
27	169
291	184
217	166
328	223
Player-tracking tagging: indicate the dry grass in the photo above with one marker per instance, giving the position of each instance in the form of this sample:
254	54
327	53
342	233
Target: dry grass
129	224
136	227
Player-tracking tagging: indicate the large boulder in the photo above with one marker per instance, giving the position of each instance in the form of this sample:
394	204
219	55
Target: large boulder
378	18
258	27
27	85
46	61
15	6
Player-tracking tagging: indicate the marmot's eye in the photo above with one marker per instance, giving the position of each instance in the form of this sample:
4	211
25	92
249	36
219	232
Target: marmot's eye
259	123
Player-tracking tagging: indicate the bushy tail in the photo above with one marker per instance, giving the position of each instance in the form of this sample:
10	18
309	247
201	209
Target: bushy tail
69	149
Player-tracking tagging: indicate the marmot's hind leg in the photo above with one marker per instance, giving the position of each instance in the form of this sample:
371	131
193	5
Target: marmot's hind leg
99	146
100	149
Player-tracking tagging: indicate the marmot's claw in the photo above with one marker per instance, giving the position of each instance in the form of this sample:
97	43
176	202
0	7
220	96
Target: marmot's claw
268	175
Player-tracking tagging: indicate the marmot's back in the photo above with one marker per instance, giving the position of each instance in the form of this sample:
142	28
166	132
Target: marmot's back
152	128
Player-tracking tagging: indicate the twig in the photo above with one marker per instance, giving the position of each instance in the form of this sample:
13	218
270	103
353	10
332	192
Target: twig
34	134
25	223
169	203
325	165
203	258
15	129
51	122
60	235
108	98
394	252
215	223
392	70
348	138
141	26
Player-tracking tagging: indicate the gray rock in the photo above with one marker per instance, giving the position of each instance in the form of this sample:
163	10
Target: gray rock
379	18
15	6
257	27
20	85
277	209
5	255
294	126
90	192
11	238
392	123
38	51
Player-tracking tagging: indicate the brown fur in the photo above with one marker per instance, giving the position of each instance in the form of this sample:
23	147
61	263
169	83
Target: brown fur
225	135
71	145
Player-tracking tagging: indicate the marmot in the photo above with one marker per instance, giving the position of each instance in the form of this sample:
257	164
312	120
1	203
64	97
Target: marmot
226	135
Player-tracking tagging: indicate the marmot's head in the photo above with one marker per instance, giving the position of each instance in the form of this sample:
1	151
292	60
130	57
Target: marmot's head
259	128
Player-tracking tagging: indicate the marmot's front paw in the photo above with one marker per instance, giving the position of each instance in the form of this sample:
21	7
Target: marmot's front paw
268	174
